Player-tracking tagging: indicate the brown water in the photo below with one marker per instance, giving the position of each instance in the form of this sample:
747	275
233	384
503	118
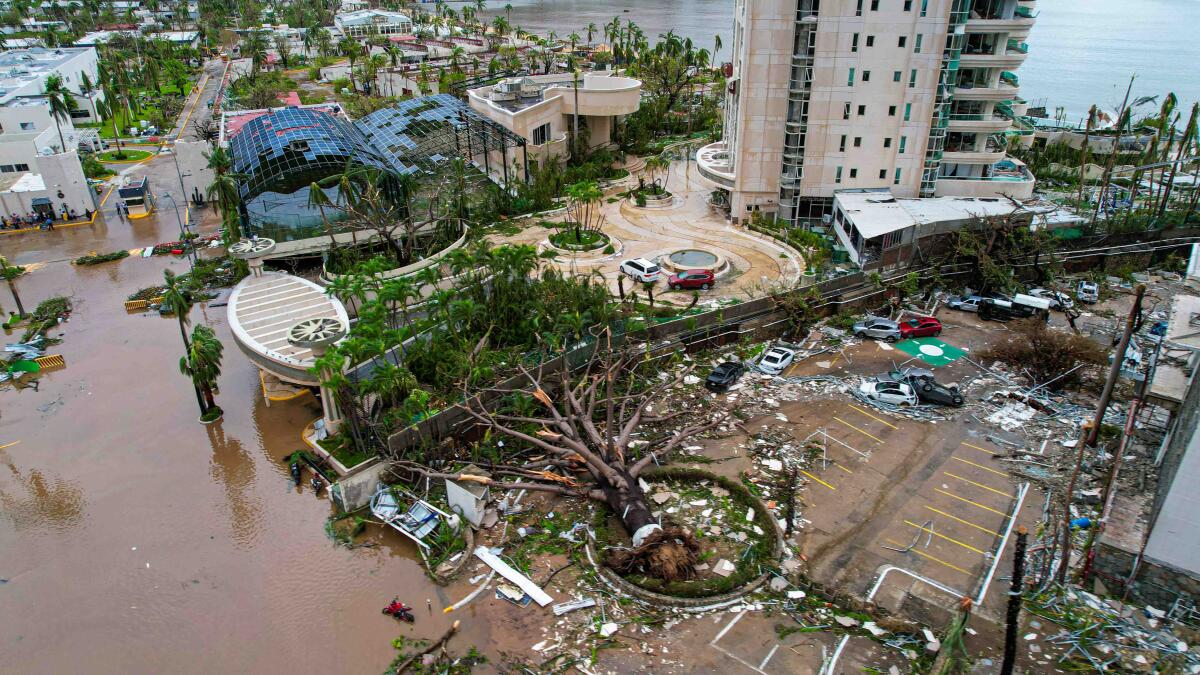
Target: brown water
135	539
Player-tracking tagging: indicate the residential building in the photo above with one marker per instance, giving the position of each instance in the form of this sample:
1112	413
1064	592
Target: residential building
39	159
541	108
914	96
364	22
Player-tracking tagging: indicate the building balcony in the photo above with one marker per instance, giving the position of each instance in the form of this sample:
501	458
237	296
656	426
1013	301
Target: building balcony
973	156
1007	177
1016	23
716	164
981	123
1007	58
1002	91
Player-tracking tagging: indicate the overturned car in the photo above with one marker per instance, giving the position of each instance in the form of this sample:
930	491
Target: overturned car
928	389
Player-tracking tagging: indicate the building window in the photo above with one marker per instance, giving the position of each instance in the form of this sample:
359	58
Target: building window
891	111
883	174
903	41
854	43
541	134
837	176
862	110
858	141
842	144
924	7
917	44
27	126
903	142
895	76
907	8
866	76
896	180
912	78
22	167
887	142
854	173
846	112
874	5
6	168
907	111
850	78
870	40
858	8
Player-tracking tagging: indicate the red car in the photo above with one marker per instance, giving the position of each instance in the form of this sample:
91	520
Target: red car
922	326
702	279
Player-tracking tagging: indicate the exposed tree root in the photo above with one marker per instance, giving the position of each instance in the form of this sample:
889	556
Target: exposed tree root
668	554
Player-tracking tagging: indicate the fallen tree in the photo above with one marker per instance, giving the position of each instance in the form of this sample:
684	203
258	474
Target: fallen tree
585	430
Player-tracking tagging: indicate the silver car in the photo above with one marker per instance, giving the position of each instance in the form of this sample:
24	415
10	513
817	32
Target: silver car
880	329
893	393
1058	300
967	304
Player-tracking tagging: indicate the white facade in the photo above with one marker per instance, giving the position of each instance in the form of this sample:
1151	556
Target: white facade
31	142
364	22
828	95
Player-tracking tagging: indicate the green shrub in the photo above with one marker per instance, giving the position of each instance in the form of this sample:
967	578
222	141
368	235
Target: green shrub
96	259
609	249
640	199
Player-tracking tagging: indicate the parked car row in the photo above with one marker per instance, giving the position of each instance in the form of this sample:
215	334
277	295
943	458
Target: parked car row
647	272
910	386
886	329
1027	304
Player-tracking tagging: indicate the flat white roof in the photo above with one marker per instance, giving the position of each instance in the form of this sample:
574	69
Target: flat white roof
1183	326
25	182
361	16
876	213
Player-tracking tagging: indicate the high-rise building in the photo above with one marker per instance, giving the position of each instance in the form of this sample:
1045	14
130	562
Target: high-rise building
916	96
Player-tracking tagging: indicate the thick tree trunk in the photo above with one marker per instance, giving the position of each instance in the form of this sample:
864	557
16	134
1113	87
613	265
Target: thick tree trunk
630	506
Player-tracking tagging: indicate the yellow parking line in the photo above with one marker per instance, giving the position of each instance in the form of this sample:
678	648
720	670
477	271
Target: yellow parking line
877	439
818	480
978	485
873	417
8	445
964	499
979	448
979	466
929	557
942	536
964	522
843	468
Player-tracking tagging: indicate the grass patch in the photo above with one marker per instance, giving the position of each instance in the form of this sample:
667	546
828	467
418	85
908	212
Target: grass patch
582	240
212	414
124	155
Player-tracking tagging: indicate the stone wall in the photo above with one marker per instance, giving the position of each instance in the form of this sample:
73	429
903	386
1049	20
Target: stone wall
1157	584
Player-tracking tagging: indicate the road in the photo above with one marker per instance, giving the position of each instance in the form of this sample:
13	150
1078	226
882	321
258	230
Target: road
196	110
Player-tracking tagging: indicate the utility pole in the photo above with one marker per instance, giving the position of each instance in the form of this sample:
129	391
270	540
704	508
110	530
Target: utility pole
1118	358
1015	590
1089	434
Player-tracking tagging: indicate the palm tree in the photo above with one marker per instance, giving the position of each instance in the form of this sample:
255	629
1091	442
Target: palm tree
178	300
226	194
350	49
86	87
716	47
109	108
591	30
10	273
60	101
202	363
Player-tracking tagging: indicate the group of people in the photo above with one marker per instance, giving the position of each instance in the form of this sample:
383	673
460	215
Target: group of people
31	219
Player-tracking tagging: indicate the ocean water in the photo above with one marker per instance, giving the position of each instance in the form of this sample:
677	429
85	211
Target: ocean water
1081	51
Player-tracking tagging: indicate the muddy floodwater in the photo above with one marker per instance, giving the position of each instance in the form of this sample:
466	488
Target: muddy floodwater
134	539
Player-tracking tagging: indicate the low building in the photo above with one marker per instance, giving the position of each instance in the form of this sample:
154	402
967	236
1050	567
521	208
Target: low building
880	231
541	108
1152	546
366	22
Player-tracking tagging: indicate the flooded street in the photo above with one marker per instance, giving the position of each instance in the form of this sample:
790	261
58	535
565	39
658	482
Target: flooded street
135	539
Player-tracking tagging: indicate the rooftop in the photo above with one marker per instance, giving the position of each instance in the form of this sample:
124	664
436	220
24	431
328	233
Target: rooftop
21	67
362	16
876	212
22	182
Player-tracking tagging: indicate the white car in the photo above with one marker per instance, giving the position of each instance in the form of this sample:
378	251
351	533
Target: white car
1058	300
641	270
1088	291
894	393
968	304
775	360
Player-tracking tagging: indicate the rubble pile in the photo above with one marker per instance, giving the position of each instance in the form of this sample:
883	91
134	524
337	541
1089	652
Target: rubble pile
1104	634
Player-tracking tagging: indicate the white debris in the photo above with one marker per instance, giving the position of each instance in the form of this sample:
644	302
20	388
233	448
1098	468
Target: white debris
608	629
724	568
796	595
750	515
846	621
873	629
773	464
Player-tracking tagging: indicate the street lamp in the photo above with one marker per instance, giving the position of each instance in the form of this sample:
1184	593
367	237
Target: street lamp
183	231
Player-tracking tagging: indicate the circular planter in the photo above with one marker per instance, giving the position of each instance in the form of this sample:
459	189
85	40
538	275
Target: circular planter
654	202
603	241
699	602
718	266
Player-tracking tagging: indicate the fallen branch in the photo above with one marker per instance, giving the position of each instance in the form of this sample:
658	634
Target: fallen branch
430	649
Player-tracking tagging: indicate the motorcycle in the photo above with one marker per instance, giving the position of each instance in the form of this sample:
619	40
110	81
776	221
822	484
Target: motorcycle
296	473
399	611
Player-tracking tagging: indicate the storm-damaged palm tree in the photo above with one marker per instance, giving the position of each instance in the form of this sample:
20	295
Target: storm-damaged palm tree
586	426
